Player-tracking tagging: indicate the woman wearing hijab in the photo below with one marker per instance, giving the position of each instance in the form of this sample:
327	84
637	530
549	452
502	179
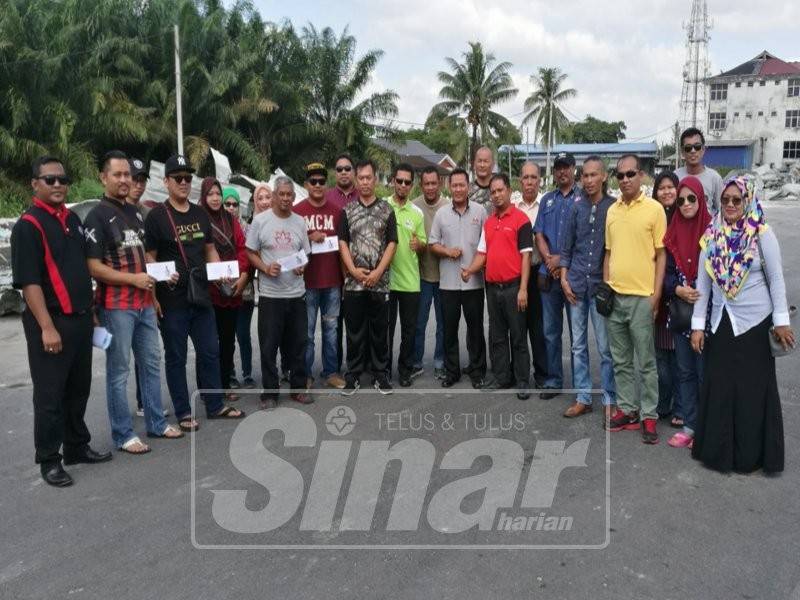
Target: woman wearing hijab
739	422
682	242
665	190
226	297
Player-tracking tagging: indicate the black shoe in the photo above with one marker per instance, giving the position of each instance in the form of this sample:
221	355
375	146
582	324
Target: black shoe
449	381
88	456
351	386
548	395
440	374
477	382
55	475
269	401
404	381
416	372
233	384
383	386
493	384
522	391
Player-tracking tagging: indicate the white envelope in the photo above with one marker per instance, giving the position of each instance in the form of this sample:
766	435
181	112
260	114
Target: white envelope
161	271
329	244
228	269
298	259
101	338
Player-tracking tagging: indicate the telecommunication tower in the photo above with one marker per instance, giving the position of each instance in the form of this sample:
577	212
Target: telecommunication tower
696	69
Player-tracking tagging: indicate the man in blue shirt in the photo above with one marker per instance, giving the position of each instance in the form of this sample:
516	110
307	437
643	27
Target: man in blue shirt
553	211
581	261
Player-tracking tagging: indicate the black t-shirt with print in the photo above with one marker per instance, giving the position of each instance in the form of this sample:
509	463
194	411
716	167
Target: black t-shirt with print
194	230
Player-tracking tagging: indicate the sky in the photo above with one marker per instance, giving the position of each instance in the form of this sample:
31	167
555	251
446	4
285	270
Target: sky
625	58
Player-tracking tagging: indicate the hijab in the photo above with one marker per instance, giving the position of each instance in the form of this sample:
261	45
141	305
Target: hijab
221	221
683	235
670	210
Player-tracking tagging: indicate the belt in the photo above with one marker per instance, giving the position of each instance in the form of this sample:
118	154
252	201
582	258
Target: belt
503	284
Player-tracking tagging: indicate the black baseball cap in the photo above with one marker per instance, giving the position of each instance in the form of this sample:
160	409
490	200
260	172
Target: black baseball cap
138	168
564	159
177	162
316	168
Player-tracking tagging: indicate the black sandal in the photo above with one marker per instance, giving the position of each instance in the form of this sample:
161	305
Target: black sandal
676	423
188	428
225	413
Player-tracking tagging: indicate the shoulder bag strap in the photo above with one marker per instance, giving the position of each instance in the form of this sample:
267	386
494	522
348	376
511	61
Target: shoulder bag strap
175	231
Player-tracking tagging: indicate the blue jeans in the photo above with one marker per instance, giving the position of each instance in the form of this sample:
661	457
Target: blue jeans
327	302
553	305
579	317
243	321
690	378
177	326
135	330
429	292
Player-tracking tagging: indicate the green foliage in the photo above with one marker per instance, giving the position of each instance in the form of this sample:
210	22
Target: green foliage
542	106
593	131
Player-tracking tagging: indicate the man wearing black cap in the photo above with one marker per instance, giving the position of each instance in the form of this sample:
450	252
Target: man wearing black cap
180	231
553	211
48	262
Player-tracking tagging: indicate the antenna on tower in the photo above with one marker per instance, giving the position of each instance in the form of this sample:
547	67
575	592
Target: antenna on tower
696	68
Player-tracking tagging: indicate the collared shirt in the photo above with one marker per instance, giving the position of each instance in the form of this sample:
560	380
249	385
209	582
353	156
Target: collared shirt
553	210
404	274
114	233
583	244
338	197
634	232
505	238
532	210
429	262
453	229
367	230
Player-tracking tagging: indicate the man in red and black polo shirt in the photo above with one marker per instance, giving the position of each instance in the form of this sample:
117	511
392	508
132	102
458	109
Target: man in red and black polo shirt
114	232
505	250
48	261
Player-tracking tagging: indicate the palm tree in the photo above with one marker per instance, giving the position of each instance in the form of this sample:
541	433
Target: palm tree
543	104
470	91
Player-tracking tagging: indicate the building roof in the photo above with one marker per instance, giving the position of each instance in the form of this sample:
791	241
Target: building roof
405	148
729	143
646	149
762	65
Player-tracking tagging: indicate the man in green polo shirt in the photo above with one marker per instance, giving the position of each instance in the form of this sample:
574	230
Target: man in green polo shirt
404	282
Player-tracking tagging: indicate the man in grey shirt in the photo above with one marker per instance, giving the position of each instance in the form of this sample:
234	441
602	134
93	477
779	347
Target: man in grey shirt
693	148
275	235
454	238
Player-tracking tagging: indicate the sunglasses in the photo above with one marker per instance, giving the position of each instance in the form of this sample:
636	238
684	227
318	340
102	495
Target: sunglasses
343	169
403	181
51	179
181	178
316	181
626	174
231	204
689	147
732	200
691	199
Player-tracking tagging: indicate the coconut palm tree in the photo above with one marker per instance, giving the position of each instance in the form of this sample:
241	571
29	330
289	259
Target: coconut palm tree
469	92
543	105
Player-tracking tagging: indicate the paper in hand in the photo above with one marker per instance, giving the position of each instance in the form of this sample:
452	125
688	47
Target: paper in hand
329	244
228	269
293	261
101	338
161	271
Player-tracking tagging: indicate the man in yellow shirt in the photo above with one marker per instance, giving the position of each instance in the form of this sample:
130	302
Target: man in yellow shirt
634	268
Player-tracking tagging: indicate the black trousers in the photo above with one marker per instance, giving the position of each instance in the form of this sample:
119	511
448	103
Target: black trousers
470	302
61	385
226	318
407	305
340	335
507	323
366	316
536	329
283	323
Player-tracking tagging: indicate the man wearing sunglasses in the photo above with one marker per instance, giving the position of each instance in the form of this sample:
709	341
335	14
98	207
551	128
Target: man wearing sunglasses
633	266
323	275
693	148
48	262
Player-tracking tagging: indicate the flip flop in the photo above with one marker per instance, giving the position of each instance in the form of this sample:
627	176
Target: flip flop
170	429
676	422
126	447
192	425
225	413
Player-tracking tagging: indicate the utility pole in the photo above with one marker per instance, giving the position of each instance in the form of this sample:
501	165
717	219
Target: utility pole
178	103
549	136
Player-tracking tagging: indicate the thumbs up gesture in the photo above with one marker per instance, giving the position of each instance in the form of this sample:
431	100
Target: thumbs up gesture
414	243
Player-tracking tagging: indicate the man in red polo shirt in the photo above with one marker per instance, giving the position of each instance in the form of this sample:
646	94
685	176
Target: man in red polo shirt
505	250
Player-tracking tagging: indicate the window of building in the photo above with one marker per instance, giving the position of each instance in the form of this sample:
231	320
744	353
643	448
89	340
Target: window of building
736	114
794	87
762	83
791	149
774	113
750	83
738	84
793	118
749	115
777	82
716	121
719	91
761	113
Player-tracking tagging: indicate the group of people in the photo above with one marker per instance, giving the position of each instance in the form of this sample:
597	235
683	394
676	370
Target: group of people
679	293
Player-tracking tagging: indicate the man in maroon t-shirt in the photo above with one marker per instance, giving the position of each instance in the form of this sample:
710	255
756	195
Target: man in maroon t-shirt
323	274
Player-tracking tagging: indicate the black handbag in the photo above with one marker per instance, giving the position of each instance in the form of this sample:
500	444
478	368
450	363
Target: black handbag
604	299
680	315
197	284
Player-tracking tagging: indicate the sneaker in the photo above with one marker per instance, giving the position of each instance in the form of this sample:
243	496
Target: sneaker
416	372
351	386
233	384
302	398
681	440
140	412
249	383
309	383
285	377
649	433
621	420
336	381
439	373
384	387
404	380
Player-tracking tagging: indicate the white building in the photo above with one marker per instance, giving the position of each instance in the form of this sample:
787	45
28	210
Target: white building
754	113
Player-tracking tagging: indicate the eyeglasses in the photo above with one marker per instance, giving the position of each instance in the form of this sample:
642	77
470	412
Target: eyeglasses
316	181
231	204
403	181
181	178
627	174
691	199
732	200
689	147
51	179
343	169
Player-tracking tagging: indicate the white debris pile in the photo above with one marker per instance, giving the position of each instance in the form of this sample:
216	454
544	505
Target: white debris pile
782	183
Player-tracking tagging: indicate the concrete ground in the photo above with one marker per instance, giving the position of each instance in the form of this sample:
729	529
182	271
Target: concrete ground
125	529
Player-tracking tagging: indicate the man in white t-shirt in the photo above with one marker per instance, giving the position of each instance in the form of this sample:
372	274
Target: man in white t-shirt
692	149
